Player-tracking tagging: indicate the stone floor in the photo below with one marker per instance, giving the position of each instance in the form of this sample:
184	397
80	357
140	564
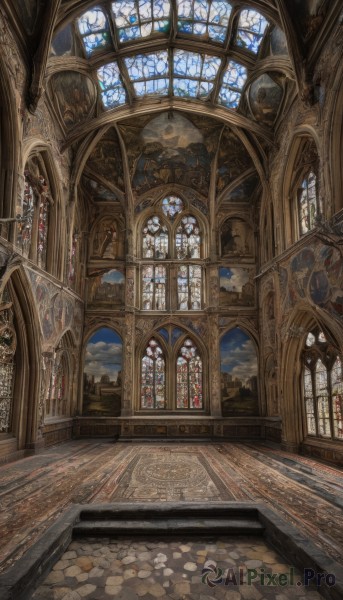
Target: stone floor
173	569
36	490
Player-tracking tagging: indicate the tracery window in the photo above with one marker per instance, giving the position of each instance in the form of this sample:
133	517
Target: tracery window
189	377
171	372
323	387
8	343
153	394
308	202
171	237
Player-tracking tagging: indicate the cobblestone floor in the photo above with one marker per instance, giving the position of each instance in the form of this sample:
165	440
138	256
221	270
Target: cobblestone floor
171	569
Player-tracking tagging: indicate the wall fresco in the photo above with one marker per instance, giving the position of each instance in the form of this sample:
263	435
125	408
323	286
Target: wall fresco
314	274
236	238
102	376
106	288
265	96
233	159
236	286
74	96
170	149
238	373
105	240
97	191
105	160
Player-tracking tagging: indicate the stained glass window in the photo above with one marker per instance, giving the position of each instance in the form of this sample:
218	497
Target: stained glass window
194	74
189	282
25	226
323	388
337	398
189	377
233	81
112	91
204	18
308	203
171	206
7	368
43	223
149	73
141	18
93	27
153	394
188	240
154	280
155	239
251	28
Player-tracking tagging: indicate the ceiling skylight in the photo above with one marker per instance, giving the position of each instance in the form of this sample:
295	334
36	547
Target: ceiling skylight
251	28
194	74
149	73
94	29
233	81
112	91
140	18
205	18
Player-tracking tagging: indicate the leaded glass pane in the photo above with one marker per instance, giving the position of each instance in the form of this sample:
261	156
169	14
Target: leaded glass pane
309	403
337	398
155	239
251	28
153	377
188	240
189	377
112	90
43	223
206	18
310	340
25	226
233	81
322	400
194	74
171	206
149	73
154	287
140	18
189	287
93	27
308	205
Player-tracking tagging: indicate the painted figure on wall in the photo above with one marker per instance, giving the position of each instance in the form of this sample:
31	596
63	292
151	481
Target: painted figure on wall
236	238
102	376
105	242
239	388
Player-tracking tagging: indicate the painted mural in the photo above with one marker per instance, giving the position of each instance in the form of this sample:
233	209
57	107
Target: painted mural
29	11
102	376
314	274
265	96
244	191
97	191
233	159
169	149
57	310
236	238
106	288
236	286
105	161
74	96
105	240
238	375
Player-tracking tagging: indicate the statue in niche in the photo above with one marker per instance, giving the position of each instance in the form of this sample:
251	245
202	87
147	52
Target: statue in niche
105	243
236	238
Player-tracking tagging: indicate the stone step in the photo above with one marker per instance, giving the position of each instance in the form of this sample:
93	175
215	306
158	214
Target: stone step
175	525
152	512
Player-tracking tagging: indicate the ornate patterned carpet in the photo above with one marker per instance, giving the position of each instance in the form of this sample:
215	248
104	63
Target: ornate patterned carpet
36	490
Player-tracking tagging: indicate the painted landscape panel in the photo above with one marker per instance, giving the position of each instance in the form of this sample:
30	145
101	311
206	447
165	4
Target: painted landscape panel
106	288
238	376
236	287
102	376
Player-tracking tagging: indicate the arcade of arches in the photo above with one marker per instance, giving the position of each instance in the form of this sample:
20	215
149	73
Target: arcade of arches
171	221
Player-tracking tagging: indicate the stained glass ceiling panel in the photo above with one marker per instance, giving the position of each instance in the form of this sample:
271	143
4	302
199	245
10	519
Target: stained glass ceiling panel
194	74
233	81
140	18
204	18
251	29
112	90
94	29
149	73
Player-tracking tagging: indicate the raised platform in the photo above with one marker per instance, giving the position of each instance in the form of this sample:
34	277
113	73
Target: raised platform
20	582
